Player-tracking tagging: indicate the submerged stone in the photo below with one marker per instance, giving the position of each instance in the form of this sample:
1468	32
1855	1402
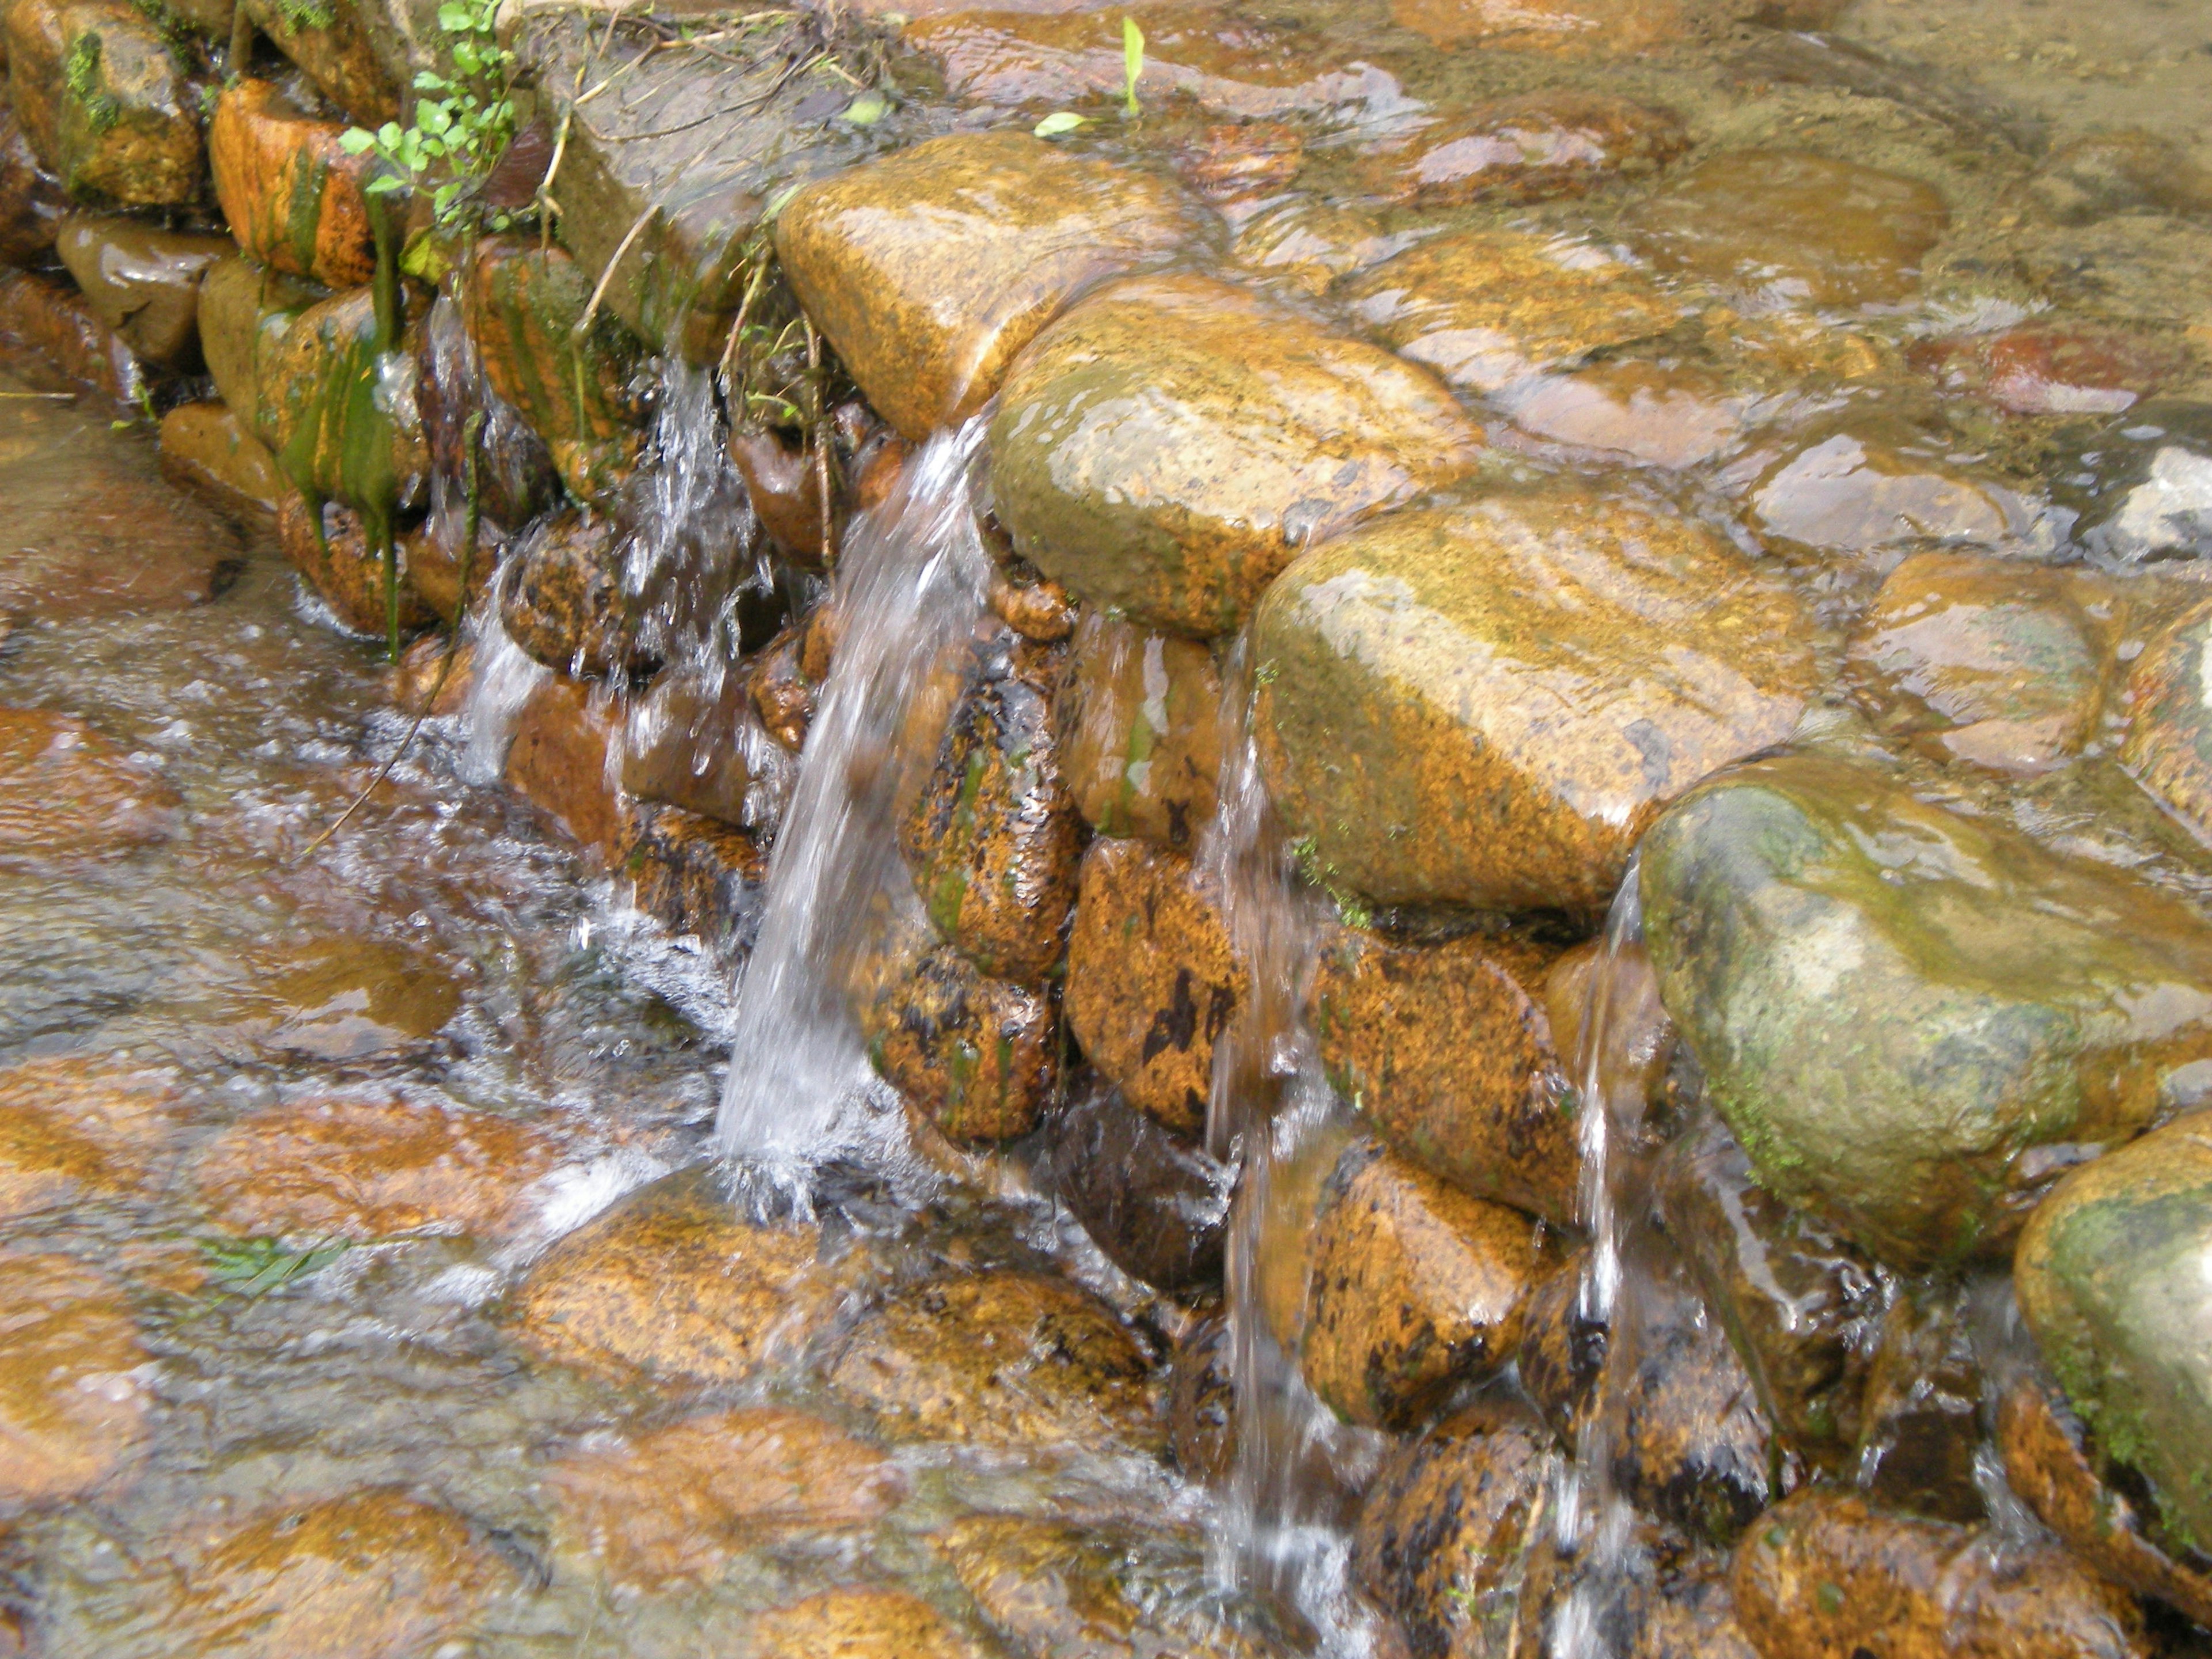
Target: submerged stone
929	270
1915	1022
67	792
2143	485
1313	243
1801	227
73	1400
978	1057
684	742
858	1623
1155	1206
1850	494
2168	746
33	202
291	194
351	996
104	101
1921	1423
1661	413
1003	1359
1485	703
1138	719
73	1130
333	41
1202	1402
1416	1288
1528	148
1486	308
142	282
1153	979
2040	369
1168	444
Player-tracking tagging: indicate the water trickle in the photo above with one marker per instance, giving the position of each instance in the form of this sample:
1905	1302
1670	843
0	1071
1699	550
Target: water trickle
909	592
503	678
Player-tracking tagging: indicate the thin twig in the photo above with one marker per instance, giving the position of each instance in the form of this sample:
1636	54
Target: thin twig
818	397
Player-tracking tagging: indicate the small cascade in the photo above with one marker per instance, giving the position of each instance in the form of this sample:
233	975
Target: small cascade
503	678
909	592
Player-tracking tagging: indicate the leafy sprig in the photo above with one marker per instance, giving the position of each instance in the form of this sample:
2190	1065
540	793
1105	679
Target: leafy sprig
461	123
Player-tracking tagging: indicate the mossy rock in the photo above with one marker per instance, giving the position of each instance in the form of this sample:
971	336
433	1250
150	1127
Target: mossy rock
332	40
244	310
104	101
292	194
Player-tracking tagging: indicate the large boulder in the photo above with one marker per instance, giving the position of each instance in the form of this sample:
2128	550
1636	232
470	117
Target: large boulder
1913	1021
929	270
1485	703
291	194
104	101
1168	445
143	282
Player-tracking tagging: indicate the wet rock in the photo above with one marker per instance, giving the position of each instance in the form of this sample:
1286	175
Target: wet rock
1299	1190
1661	1596
686	745
72	1130
994	837
353	996
1920	1426
1202	1402
67	792
74	1398
1049	1587
1138	717
698	876
1312	243
340	566
1562	1349
2120	171
2168	746
1823	1574
564	603
1693	1445
2047	1463
434	677
1485	703
1486	308
929	270
1440	1538
978	1057
2009	661
1528	148
1799	226
245	310
1663	414
1000	1358
670	1286
52	320
371	1168
521	305
1152	980
783	696
557	759
1416	1288
332	40
1854	1095
291	194
783	481
342	416
861	1623
33	203
2143	485
675	1503
1447	1052
1848	494
1244	159
1800	1306
104	101
1584	27
1167	444
1156	1207
143	282
1041	612
207	447
366	1576
2040	369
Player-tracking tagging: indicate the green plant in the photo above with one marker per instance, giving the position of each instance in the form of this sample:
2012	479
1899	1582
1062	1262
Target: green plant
461	123
81	74
254	1266
1132	62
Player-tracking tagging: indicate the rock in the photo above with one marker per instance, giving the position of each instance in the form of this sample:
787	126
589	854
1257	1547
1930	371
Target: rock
782	695
521	305
332	40
861	1623
245	310
1170	443
72	1131
1664	414
564	604
1925	1101
292	196
142	282
978	1057
1562	1348
1801	227
68	793
1823	1574
1850	495
1004	1358
2041	368
1658	1597
1441	1536
1416	1288
1800	1306
1528	148
1447	1051
1299	1190
930	270
675	1503
434	677
74	1376
557	759
685	744
342	416
1243	160
2168	746
2047	1465
371	1575
783	481
2009	661
1691	1445
1153	979
698	876
369	1168
1921	1425
52	321
33	203
1038	610
1485	703
1570	27
1138	719
994	837
669	1286
104	101
1312	243
340	566
352	996
1156	1207
1202	1402
207	447
1484	308
2124	170
2143	485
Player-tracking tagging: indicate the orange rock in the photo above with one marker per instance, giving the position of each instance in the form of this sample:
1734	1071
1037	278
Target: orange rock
344	570
73	1402
291	193
978	1057
207	447
557	761
52	319
861	1623
67	792
1138	717
72	1127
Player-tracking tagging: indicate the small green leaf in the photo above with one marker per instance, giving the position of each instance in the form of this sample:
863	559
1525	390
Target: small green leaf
1132	58
870	107
456	20
1059	121
383	185
356	140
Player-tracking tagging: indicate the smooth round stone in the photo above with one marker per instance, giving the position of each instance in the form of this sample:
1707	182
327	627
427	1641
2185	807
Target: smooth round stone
1309	243
2040	368
1528	149
1850	494
861	1624
1663	415
1156	1207
206	446
975	1057
143	282
66	792
73	1397
346	998
1799	226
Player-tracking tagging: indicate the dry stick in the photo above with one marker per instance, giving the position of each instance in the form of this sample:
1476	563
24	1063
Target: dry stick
758	281
818	391
471	430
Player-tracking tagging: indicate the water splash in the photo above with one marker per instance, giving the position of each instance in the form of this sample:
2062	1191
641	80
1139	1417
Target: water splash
909	594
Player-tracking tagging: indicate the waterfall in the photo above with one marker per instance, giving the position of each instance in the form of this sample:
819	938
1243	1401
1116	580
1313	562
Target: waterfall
909	594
